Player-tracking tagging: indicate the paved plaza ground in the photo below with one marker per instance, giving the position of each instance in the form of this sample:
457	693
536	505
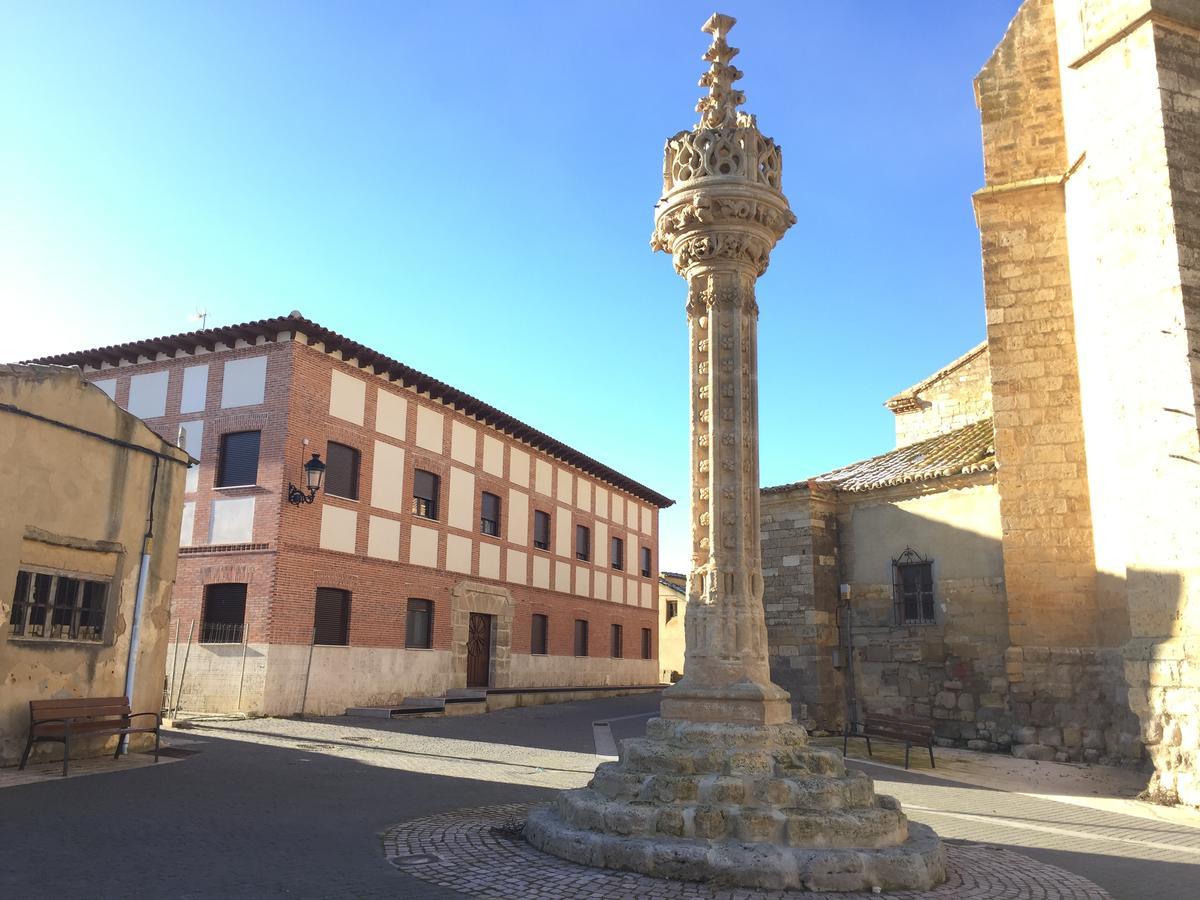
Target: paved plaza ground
274	808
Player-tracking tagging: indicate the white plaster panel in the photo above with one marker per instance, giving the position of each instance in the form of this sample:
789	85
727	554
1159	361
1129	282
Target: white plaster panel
562	577
600	539
602	501
232	521
193	440
391	414
543	473
462	443
566	486
645	594
462	500
583	580
339	528
187	524
564	534
600	586
518	467
647	521
148	395
423	546
489	560
631	592
541	571
458	553
109	386
584	492
430	424
515	567
347	396
618	508
383	538
631	515
387	477
518	517
493	456
244	383
618	589
195	390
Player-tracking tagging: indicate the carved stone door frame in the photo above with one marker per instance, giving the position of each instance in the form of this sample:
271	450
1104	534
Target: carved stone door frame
468	597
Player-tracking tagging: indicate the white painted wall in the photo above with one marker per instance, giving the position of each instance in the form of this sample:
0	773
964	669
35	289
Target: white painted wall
195	390
148	395
244	383
347	396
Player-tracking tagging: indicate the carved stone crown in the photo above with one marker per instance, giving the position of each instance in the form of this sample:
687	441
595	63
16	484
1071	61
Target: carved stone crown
722	181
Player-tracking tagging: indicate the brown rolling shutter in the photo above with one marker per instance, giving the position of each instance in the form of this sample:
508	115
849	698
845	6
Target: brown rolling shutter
331	620
341	471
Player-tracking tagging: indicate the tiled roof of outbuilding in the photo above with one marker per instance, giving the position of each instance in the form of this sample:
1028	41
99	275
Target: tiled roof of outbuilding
971	448
373	361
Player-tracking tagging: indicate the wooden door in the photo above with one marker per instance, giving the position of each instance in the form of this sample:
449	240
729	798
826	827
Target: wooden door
479	651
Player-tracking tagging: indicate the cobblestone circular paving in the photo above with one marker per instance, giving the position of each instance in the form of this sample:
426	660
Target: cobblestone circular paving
477	852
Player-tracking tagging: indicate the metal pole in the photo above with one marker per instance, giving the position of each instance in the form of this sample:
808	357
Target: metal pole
308	671
242	678
182	675
174	667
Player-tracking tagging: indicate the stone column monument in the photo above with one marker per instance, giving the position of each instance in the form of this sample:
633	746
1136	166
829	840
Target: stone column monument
725	786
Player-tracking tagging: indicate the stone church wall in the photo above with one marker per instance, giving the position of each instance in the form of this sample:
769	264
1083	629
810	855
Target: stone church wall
947	401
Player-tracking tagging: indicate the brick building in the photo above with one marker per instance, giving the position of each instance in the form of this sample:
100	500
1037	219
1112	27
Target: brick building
451	545
1047	485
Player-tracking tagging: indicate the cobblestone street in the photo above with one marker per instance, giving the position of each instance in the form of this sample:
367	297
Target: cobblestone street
273	807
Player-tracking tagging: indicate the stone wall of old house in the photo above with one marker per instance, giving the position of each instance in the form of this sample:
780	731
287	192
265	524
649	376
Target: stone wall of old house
957	396
800	578
953	670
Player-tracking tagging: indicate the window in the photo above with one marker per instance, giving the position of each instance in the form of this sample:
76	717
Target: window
645	562
647	644
541	530
912	588
238	462
224	617
418	629
489	514
341	471
58	606
425	494
331	619
581	637
617	553
672	609
583	543
615	641
538	634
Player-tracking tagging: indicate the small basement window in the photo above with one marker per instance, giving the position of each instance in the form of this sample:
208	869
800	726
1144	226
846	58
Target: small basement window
912	589
58	606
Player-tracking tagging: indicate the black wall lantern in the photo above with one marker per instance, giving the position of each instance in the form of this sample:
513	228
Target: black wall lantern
314	471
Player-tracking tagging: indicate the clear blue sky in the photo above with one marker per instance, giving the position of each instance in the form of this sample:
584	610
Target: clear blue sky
468	187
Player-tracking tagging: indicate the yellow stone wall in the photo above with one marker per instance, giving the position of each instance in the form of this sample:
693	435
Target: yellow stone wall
955	397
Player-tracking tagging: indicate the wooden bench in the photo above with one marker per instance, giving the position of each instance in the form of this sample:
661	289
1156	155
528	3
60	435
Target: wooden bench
910	732
60	720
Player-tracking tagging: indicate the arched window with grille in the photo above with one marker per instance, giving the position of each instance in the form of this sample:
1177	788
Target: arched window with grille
912	588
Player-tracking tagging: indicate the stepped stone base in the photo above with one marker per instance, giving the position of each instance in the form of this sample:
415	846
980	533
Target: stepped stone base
745	805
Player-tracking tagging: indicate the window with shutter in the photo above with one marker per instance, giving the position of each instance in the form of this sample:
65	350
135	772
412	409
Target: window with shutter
646	562
489	515
238	461
581	637
647	644
541	530
224	615
418	631
617	553
331	619
538	634
425	494
341	471
615	642
583	543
